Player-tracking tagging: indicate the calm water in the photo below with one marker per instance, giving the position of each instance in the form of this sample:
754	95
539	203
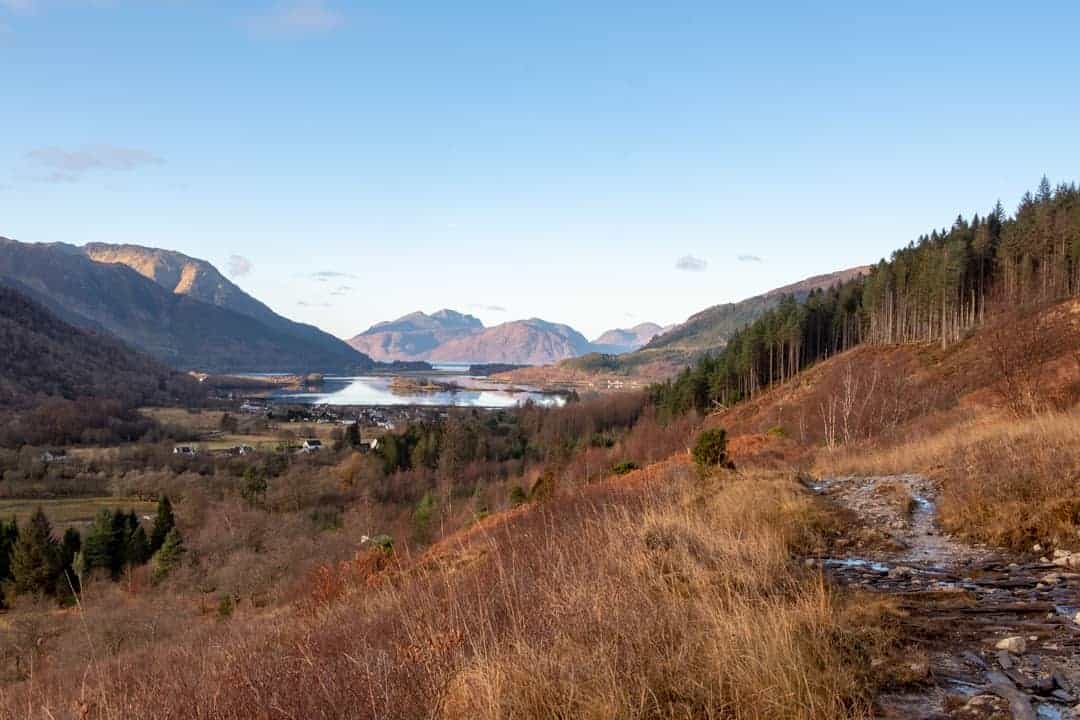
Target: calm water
375	390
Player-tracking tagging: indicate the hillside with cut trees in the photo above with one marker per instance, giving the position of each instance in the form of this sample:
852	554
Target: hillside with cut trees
935	290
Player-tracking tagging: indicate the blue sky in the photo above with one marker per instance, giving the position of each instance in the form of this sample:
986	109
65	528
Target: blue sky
598	163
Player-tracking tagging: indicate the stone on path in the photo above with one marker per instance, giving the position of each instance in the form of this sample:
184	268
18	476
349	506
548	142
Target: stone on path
1016	645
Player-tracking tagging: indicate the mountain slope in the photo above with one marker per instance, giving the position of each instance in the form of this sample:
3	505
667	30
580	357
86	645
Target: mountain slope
45	356
413	336
623	340
706	331
521	342
710	328
60	384
175	328
202	281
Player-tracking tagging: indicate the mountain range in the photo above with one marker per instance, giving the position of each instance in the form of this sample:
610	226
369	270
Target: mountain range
449	336
178	309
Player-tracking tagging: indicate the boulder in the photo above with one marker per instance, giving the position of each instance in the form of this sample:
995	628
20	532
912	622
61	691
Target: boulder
1015	645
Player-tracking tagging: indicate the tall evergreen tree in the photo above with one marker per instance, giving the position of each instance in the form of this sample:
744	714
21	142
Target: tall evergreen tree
138	547
9	534
164	521
168	557
99	545
35	561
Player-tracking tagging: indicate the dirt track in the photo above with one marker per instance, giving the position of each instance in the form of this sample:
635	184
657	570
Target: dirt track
961	601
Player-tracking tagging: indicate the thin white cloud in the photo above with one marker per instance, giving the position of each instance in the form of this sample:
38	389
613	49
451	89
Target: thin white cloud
488	308
304	303
689	263
341	290
750	259
239	266
299	16
328	275
63	165
19	6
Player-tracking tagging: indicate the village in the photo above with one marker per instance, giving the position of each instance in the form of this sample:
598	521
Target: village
258	424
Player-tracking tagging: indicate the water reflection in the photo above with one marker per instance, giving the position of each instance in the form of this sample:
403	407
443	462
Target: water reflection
376	390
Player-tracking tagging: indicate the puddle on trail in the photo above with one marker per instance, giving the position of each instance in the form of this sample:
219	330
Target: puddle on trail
862	563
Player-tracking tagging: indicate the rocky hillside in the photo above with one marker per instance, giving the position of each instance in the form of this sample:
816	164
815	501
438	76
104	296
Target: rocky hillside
414	336
202	281
521	342
178	328
624	340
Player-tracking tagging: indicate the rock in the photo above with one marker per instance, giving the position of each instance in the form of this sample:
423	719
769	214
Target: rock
900	572
1016	645
1005	660
809	562
1076	618
1036	548
1059	553
1051	578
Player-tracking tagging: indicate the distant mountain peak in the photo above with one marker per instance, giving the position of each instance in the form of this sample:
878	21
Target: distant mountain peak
624	340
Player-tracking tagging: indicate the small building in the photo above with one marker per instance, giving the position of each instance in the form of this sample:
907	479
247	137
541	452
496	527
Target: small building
311	445
185	450
369	445
54	456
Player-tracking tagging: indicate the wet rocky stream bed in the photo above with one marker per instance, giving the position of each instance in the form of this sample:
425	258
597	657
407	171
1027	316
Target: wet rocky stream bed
996	635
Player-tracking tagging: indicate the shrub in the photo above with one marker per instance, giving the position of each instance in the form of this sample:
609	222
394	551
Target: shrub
622	468
710	450
518	496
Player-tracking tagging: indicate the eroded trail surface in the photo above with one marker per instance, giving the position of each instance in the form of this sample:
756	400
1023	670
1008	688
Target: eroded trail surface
997	635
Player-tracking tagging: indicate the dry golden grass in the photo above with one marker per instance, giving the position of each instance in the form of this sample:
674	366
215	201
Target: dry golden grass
1004	480
655	595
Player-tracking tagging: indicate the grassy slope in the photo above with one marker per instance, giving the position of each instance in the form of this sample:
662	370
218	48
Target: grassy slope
993	419
655	595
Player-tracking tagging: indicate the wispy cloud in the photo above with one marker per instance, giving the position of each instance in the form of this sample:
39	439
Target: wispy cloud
63	165
239	266
488	308
19	6
328	275
299	16
342	290
306	304
750	259
689	263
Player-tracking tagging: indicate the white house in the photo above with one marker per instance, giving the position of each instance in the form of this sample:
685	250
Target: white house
186	450
311	445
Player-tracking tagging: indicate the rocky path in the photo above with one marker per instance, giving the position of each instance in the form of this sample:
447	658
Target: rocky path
997	636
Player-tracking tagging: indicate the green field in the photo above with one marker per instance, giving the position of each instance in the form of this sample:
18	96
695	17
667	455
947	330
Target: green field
66	512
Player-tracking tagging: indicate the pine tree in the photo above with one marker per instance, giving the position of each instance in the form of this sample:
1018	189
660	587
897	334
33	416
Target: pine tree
168	557
9	534
164	522
35	561
118	543
254	486
99	548
138	547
